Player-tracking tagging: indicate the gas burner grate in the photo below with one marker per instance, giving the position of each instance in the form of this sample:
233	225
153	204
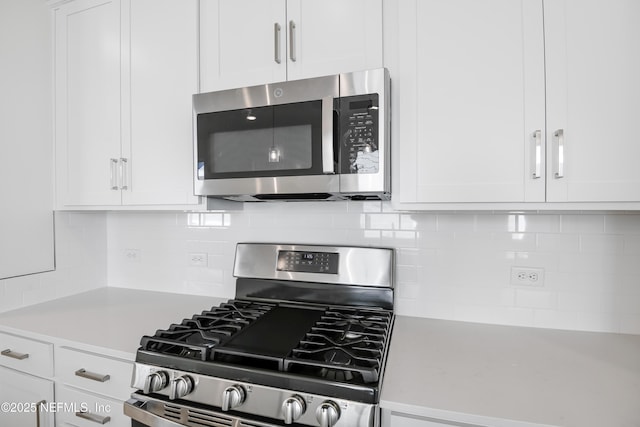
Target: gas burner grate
344	345
196	337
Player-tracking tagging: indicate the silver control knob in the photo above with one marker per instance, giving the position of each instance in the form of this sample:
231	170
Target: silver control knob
180	387
292	409
328	414
232	397
155	382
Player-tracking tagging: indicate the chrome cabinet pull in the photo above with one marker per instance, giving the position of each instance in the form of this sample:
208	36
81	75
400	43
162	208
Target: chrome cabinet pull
92	376
93	417
292	41
123	174
113	164
559	137
14	355
537	155
276	40
42	402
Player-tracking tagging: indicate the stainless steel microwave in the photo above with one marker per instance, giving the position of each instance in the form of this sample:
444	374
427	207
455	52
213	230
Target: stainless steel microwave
324	138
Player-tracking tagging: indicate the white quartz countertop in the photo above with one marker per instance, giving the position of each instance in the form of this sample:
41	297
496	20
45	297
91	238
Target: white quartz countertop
109	319
492	375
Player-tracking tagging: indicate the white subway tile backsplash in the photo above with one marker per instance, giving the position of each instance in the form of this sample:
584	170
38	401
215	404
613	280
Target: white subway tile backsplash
449	265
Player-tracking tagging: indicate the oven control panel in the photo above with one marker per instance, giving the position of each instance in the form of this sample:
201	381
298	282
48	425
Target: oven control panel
308	262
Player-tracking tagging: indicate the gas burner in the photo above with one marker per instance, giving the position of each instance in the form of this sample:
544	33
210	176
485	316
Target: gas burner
196	337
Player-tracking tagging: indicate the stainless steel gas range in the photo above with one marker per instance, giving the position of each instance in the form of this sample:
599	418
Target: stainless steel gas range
303	343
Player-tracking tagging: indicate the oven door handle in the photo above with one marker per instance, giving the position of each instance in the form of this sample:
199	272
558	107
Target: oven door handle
134	409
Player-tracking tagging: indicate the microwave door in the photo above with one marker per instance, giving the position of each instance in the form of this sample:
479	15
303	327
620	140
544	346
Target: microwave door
274	149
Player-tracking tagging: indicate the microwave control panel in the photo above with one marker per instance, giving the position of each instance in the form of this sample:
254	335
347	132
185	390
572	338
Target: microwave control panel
359	134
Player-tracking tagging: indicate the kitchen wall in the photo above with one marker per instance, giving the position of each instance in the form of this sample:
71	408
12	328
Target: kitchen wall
81	263
449	265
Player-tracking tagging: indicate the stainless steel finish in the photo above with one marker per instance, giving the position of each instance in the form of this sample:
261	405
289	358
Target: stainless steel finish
95	418
559	138
338	186
292	41
155	382
327	135
232	397
262	401
357	266
92	376
180	387
124	176
150	412
38	416
328	414
14	355
292	409
359	83
242	189
537	155
277	29
113	166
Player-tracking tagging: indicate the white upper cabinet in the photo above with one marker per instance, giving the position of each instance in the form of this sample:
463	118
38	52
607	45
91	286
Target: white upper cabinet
593	99
511	105
87	91
163	77
125	73
469	97
250	42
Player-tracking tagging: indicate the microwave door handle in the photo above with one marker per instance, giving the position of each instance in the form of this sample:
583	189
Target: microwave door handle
327	135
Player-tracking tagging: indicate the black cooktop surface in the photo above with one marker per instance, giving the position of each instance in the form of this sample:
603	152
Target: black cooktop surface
315	349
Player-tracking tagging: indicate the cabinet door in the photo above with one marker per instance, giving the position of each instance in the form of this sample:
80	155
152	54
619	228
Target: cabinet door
24	393
593	97
163	76
333	36
468	99
26	189
240	44
87	90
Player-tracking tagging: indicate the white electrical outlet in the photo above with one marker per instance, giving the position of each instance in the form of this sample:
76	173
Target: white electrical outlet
132	255
527	276
198	260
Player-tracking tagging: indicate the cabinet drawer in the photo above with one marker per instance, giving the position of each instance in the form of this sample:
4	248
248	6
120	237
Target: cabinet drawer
89	371
96	410
23	354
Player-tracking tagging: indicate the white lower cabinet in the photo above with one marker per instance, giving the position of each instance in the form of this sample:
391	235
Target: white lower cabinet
26	397
93	386
25	400
86	409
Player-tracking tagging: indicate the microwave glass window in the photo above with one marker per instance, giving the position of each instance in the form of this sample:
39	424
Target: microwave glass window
281	148
274	140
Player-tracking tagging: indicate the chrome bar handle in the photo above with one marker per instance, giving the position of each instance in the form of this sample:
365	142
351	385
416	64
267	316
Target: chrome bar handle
93	417
559	137
113	163
277	29
327	136
92	376
123	174
14	355
292	40
537	155
38	405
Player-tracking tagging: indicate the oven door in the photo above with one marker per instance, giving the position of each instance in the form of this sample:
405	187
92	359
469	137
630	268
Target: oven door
146	411
274	139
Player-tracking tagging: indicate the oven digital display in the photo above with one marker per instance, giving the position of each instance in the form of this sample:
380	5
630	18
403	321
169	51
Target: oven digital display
308	262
